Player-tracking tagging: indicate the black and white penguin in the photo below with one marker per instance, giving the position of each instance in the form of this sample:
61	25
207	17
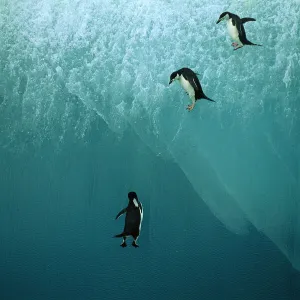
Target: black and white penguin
191	84
133	219
236	29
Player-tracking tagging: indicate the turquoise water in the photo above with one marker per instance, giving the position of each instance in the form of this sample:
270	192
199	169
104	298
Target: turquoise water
87	114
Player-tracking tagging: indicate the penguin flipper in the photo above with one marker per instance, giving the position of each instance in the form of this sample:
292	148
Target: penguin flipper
195	83
244	20
123	211
119	235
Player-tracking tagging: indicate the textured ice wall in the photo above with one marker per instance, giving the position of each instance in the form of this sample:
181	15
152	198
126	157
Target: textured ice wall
241	154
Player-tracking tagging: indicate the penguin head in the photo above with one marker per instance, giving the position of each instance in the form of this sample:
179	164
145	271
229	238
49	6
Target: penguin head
223	16
174	76
132	195
133	198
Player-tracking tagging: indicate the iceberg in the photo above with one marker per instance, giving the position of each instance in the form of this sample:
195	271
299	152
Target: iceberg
114	57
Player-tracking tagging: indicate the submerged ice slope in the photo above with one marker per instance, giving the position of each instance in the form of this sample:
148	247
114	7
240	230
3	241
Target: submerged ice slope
241	154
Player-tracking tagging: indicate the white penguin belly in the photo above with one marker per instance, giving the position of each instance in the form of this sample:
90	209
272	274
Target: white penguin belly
187	87
233	32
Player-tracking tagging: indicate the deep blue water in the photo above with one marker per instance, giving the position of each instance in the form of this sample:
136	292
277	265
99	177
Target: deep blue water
57	222
87	115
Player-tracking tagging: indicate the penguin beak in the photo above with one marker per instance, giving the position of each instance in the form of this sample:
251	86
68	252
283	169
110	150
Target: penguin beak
219	21
170	81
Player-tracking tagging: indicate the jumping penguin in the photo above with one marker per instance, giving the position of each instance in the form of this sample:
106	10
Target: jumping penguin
133	219
236	29
191	84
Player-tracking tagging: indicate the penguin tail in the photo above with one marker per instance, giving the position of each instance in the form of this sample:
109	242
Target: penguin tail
252	44
206	98
119	235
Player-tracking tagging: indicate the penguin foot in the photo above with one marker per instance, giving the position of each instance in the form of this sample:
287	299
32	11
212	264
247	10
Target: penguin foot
190	107
234	44
134	244
238	47
123	245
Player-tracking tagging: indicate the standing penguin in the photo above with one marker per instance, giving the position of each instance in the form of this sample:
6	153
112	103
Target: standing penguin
133	219
191	84
236	29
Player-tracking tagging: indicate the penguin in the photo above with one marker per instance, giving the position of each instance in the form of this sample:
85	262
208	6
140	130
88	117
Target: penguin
191	84
236	29
133	219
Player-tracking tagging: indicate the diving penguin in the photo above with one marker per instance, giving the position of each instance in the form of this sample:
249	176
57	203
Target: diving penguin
191	84
133	219
236	29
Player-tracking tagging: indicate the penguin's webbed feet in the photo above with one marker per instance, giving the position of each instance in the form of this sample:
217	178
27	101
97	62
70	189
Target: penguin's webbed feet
238	47
190	107
134	244
123	245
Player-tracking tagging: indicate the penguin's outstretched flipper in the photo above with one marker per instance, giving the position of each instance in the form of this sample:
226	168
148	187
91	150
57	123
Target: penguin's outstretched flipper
123	211
119	235
244	20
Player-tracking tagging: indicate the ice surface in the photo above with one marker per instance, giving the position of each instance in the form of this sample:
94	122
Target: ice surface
241	154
